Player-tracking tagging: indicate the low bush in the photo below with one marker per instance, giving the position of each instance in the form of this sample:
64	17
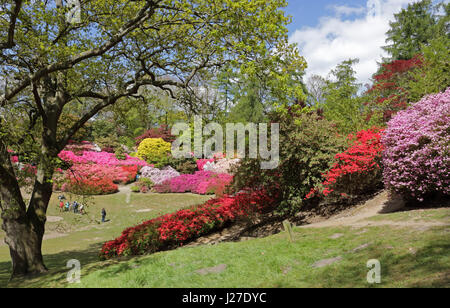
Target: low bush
417	149
202	182
100	158
159	176
162	132
177	229
154	151
144	186
357	170
89	179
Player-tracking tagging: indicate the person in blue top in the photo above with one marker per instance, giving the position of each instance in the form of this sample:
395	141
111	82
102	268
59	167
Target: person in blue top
103	215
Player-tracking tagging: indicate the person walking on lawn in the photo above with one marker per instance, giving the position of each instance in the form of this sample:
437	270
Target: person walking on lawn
103	215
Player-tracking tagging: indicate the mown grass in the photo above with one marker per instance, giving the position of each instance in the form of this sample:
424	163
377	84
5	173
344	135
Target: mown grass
85	234
440	214
409	257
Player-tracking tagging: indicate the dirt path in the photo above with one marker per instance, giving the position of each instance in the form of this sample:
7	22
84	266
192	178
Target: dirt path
379	205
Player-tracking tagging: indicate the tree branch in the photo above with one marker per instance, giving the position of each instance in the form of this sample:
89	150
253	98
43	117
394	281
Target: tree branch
12	26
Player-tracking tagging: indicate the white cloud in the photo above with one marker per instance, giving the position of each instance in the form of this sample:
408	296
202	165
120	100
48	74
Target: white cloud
338	38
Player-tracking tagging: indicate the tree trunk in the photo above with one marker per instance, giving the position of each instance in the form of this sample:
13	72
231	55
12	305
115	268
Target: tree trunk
24	227
25	245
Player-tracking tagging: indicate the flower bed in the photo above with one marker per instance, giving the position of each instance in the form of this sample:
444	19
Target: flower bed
174	230
97	179
358	169
202	182
101	158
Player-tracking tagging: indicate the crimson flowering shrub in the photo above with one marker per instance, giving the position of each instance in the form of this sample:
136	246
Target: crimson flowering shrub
417	156
357	170
179	228
387	94
162	132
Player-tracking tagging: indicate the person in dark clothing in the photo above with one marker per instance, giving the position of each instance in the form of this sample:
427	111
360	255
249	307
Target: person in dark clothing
103	215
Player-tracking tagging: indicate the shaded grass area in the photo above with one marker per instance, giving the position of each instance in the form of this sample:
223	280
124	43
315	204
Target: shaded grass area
84	235
441	214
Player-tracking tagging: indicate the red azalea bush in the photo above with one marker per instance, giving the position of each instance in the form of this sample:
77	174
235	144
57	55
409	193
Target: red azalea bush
358	169
174	230
162	132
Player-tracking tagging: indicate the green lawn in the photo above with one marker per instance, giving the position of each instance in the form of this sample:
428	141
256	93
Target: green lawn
409	257
86	234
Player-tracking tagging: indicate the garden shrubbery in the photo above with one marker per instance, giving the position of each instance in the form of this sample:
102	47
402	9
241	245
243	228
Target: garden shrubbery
357	170
174	230
308	146
417	149
154	151
202	182
89	179
162	132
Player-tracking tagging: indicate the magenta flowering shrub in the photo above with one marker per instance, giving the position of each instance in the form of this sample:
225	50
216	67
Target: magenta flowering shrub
417	148
202	182
189	182
158	176
101	158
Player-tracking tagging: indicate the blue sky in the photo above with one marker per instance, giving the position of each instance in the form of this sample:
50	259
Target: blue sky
307	13
329	32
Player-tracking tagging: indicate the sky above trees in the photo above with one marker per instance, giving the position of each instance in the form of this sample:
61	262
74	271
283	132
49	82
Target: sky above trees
331	31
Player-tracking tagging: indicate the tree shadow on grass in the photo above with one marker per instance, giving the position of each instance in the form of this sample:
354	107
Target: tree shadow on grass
58	270
427	267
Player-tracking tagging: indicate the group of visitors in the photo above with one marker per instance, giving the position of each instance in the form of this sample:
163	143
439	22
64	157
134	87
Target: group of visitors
75	207
69	207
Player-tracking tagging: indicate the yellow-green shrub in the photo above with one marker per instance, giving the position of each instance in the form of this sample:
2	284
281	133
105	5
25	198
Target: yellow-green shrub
153	150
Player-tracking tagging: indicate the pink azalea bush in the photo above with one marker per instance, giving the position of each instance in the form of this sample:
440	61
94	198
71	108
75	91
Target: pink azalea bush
417	158
202	182
101	158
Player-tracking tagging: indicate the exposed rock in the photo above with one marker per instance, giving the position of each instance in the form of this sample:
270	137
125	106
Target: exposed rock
336	236
54	218
212	270
326	262
364	246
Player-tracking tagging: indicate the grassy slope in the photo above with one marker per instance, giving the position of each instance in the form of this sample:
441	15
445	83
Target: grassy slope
409	257
85	234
